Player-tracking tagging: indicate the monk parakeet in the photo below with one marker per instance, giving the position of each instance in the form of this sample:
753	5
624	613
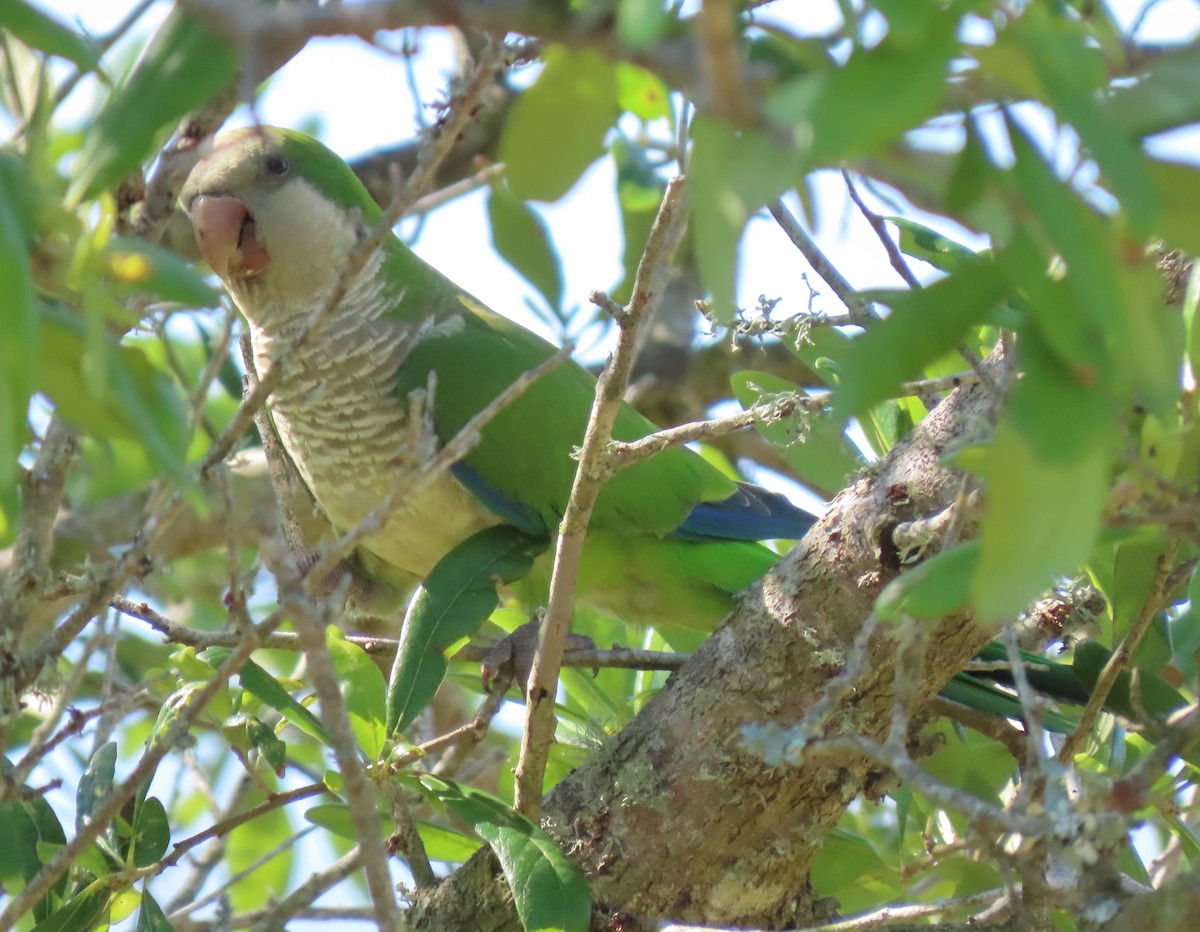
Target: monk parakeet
275	214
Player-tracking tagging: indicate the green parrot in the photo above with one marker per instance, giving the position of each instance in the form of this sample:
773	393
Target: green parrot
275	214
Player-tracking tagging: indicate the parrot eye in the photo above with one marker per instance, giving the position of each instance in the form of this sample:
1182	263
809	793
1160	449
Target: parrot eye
277	165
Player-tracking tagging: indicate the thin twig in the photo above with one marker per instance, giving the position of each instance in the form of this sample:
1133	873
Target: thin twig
625	658
879	225
626	453
593	471
274	918
860	309
311	621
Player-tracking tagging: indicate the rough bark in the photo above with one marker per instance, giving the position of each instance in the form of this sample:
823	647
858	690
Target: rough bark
675	818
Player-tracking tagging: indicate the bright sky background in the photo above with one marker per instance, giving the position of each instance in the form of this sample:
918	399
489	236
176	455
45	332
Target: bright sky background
361	100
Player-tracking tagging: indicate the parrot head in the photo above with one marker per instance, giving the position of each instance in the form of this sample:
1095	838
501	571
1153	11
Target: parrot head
275	214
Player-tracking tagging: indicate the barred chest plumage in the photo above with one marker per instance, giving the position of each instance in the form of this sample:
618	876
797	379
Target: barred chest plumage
346	429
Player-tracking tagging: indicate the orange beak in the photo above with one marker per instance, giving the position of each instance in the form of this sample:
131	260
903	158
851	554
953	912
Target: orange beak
225	236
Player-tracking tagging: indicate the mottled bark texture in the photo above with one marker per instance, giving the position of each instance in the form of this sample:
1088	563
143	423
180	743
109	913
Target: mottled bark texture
675	818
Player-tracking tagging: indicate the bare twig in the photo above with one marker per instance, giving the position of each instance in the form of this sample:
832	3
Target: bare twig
593	471
860	309
274	918
311	618
879	225
618	658
626	453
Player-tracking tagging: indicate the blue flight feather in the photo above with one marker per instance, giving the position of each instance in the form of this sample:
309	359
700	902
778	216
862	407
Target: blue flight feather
750	513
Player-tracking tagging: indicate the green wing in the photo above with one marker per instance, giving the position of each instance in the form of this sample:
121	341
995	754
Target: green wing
525	452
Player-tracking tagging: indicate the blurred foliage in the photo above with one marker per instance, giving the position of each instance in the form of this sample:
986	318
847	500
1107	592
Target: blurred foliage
1091	472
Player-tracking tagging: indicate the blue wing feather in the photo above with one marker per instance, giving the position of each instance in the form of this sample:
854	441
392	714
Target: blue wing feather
750	513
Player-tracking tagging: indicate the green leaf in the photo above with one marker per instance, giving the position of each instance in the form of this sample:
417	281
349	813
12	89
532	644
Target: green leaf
41	32
928	245
924	324
1179	187
19	860
549	891
441	843
261	882
151	918
733	175
933	588
455	599
1042	520
1071	70
1134	567
95	784
138	267
642	92
640	23
18	323
556	128
183	65
521	237
363	689
262	685
79	912
151	832
873	98
822	456
1087	246
135	401
842	859
1162	98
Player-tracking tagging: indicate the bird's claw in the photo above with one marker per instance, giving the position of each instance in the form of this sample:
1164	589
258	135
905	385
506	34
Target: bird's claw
511	658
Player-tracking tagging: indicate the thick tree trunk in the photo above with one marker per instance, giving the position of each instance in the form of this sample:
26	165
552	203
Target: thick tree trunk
676	818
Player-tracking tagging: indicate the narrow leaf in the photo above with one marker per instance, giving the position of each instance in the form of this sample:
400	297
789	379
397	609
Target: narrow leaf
521	237
549	891
183	65
151	832
95	783
42	32
924	324
557	127
363	689
151	918
456	598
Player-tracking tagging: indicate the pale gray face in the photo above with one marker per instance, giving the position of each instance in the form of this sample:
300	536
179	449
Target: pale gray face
275	241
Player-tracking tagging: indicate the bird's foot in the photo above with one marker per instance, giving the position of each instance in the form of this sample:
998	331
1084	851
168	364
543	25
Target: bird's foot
511	658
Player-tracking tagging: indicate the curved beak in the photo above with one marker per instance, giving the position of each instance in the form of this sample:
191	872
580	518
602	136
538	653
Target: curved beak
226	237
